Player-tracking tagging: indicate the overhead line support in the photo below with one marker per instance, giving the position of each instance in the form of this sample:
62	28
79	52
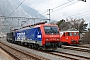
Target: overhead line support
49	14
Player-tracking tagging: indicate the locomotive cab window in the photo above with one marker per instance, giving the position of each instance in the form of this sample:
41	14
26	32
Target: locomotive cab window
70	33
67	33
75	34
51	30
64	34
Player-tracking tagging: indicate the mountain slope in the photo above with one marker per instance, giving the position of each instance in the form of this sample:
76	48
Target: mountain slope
8	9
31	11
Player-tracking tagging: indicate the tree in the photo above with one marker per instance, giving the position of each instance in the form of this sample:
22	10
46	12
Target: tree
82	27
63	25
78	24
86	38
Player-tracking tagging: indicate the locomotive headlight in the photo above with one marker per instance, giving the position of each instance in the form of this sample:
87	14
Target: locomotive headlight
67	38
58	39
47	39
73	41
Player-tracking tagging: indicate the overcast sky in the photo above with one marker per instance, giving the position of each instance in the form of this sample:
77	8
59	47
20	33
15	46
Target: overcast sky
68	8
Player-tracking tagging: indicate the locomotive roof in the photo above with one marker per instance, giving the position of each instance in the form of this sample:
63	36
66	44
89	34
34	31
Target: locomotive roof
69	31
36	26
45	25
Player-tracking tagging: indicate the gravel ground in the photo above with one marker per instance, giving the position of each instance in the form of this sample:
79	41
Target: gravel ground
5	56
87	45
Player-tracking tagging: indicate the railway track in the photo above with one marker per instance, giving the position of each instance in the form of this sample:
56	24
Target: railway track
61	55
78	48
55	53
84	46
68	55
19	54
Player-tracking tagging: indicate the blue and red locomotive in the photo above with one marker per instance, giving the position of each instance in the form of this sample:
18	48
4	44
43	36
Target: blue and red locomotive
41	35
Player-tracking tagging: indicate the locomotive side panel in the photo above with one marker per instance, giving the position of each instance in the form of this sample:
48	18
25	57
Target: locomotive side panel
29	36
34	36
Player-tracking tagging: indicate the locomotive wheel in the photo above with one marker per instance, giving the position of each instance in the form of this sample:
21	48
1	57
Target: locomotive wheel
36	46
40	48
31	46
60	46
21	43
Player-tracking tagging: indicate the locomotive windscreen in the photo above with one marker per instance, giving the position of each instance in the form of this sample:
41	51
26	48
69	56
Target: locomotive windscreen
51	30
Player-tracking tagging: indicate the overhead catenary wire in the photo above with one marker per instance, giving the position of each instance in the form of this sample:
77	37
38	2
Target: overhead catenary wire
64	7
16	8
62	4
80	9
58	6
80	13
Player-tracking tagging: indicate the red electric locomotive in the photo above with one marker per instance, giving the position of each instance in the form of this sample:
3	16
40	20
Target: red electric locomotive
70	37
50	36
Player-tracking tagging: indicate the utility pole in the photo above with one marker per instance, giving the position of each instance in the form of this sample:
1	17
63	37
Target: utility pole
49	14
